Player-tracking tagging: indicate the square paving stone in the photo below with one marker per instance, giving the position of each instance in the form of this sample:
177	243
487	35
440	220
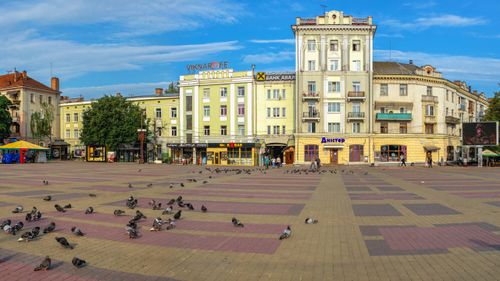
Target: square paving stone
369	210
430	209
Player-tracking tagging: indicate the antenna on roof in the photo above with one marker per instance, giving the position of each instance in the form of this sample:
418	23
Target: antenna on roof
324	8
51	75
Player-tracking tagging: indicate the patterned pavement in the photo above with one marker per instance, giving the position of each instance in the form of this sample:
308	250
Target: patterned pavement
408	223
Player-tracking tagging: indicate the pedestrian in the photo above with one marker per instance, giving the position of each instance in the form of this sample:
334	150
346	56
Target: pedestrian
312	167
403	160
318	163
273	162
266	162
278	162
429	160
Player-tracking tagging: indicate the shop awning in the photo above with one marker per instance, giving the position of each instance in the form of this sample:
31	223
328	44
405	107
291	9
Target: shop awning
22	145
333	146
489	153
431	148
275	144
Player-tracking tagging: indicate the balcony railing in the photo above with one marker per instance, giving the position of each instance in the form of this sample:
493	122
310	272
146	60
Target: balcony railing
356	95
15	119
394	116
452	120
307	21
355	115
310	96
433	99
360	21
311	115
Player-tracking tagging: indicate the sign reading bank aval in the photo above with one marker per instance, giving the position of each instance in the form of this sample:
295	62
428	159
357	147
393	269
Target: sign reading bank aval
207	66
275	76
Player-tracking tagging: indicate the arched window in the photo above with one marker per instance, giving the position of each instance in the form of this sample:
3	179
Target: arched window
355	153
310	152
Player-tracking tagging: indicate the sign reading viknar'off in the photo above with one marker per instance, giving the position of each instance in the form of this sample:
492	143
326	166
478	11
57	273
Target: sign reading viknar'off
208	66
274	76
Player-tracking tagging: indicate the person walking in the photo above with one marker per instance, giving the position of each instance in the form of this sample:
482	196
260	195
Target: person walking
266	162
278	162
403	160
429	160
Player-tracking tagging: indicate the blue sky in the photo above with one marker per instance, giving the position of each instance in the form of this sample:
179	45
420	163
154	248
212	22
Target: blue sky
99	47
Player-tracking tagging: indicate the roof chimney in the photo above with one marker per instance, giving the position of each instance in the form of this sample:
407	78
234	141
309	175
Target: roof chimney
158	91
118	94
410	62
475	92
24	74
54	83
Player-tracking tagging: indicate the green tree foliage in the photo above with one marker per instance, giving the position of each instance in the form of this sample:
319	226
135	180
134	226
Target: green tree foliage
111	121
493	111
172	88
5	118
41	122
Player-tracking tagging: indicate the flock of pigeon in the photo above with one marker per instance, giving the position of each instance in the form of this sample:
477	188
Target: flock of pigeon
132	226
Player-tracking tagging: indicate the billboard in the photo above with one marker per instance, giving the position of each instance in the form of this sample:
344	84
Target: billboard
480	133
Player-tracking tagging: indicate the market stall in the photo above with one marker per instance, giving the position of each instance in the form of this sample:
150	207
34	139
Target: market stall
22	152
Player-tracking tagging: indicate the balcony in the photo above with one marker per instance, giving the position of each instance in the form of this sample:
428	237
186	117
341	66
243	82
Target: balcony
393	116
15	119
452	120
462	107
355	116
310	116
307	21
433	99
310	96
355	95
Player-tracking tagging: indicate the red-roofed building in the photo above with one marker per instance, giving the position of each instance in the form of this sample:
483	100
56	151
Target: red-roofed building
27	96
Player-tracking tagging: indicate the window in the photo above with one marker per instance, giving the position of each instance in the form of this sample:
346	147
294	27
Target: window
268	94
392	152
382	110
50	100
334	127
276	112
356	153
159	130
452	112
311	152
356	86
268	112
32	98
429	110
41	99
311	127
429	128
268	130
311	65
276	130
276	94
241	109
402	110
283	129
241	91
356	65
452	97
189	138
223	92
356	107
75	117
206	93
311	45
173	112
158	113
384	128
447	95
429	90
189	103
447	112
311	86
403	89
206	111
334	45
333	86
206	130
356	128
189	122
333	107
384	89
68	134
403	128
283	94
223	130
334	65
174	131
356	45
75	133
241	130
68	117
223	110
283	112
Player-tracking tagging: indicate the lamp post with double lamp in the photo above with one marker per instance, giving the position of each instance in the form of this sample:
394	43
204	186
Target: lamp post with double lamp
142	136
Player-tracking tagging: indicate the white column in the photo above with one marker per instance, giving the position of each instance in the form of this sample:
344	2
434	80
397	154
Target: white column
180	111
249	111
322	52
195	112
232	112
345	53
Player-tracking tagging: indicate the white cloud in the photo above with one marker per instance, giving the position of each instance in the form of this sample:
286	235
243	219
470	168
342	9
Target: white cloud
131	18
273	41
393	35
453	67
266	58
434	21
420	4
126	90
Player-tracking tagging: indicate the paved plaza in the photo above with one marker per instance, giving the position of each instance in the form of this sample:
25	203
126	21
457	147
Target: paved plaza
375	223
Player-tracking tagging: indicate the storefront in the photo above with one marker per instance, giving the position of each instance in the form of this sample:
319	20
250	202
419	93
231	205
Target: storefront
183	153
240	154
392	152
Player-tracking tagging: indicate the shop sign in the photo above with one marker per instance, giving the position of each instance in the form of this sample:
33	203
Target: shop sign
231	145
187	145
332	140
275	76
207	66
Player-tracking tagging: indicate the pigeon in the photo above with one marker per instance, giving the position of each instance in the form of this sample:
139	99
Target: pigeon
170	224
204	209
28	217
140	170
181	204
190	206
171	202
18	209
45	265
139	215
204	182
17	227
132	232
118	212
30	235
178	215
78	263
92	195
64	242
149	185
7	228
45	182
209	177
179	199
59	208
237	222
167	211
182	184
171	186
130	185
37	216
76	231
67	206
47	198
152	203
157	223
51	227
5	222
286	233
310	221
89	210
132	224
34	210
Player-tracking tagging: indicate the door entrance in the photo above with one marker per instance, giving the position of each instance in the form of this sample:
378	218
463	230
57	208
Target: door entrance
334	156
217	158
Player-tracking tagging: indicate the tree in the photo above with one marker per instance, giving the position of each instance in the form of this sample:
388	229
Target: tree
173	88
111	121
5	118
493	111
41	122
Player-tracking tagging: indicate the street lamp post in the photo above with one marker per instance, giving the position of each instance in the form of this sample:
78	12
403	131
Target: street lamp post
142	133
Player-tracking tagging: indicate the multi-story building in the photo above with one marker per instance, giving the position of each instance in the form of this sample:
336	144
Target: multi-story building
334	80
217	125
160	109
27	96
